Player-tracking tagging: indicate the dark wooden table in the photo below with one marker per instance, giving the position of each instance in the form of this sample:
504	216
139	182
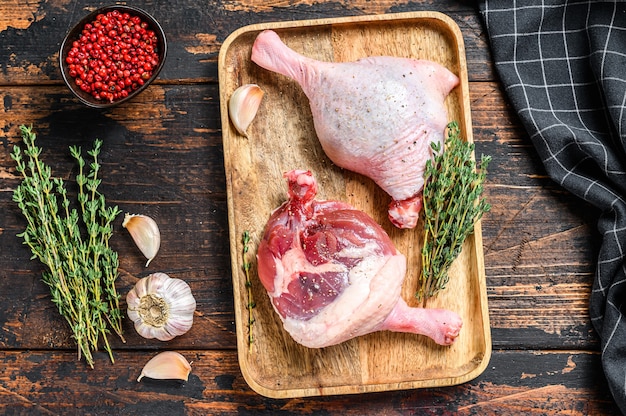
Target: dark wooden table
163	157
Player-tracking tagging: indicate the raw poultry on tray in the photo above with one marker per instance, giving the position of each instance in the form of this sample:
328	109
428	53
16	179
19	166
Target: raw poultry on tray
376	116
333	273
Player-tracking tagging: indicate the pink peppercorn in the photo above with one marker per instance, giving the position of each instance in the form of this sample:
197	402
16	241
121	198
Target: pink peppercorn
114	55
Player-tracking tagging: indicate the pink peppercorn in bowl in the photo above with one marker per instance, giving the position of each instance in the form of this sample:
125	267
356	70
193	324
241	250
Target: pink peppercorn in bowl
112	55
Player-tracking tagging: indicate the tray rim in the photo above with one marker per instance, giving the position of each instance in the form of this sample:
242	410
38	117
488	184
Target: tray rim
464	103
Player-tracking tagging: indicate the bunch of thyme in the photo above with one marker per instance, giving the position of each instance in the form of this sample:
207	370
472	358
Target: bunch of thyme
452	206
81	267
245	239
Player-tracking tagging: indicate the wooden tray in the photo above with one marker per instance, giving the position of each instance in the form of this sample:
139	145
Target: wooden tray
282	138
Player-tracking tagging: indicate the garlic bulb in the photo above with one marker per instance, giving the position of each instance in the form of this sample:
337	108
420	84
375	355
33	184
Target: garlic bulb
161	307
243	105
168	365
145	232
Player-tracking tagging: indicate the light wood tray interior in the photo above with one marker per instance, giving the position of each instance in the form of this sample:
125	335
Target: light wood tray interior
282	138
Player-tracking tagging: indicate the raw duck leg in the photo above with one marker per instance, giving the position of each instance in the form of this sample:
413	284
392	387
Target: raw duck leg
376	116
332	273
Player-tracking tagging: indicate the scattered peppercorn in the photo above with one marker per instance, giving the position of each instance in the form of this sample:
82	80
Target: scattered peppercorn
113	56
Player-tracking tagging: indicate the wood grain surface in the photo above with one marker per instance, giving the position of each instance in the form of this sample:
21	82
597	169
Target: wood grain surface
163	157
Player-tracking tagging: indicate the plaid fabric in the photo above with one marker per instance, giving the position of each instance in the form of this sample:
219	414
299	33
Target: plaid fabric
563	66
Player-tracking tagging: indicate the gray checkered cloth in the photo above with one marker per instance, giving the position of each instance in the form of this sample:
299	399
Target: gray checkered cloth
563	67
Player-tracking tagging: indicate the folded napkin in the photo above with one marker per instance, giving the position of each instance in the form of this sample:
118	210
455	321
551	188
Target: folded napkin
563	67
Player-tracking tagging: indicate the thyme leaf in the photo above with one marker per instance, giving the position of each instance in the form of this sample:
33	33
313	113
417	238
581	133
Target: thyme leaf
452	205
245	239
73	244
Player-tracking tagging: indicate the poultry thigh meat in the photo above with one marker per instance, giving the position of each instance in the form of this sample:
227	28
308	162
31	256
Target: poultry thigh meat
332	273
376	116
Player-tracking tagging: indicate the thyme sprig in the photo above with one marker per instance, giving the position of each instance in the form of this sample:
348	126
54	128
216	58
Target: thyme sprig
245	239
452	206
81	267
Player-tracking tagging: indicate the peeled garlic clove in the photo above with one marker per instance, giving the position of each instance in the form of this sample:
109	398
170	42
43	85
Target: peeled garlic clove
243	106
161	307
145	232
168	365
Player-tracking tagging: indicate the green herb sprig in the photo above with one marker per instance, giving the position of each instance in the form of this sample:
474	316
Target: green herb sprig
81	267
452	206
245	239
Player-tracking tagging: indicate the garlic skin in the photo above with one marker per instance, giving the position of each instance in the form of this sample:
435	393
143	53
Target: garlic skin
243	106
161	307
168	365
145	233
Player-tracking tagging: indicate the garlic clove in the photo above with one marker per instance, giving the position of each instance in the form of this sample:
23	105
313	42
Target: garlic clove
145	232
243	106
161	307
168	365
